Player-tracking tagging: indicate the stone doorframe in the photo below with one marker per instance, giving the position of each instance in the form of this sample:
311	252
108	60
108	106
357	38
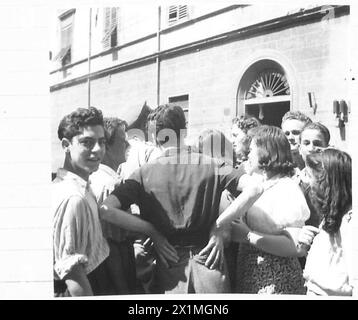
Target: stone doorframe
276	57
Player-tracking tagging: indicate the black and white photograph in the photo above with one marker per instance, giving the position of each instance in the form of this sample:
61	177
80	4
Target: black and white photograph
179	150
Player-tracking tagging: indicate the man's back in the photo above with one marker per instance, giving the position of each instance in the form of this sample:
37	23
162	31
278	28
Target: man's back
179	193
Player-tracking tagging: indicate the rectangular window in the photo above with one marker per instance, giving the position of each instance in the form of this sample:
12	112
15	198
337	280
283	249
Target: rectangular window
177	13
66	37
182	101
110	29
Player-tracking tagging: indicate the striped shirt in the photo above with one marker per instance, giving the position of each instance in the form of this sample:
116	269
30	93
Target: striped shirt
77	233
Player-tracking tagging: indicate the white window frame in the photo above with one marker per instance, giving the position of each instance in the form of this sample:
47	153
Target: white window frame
66	21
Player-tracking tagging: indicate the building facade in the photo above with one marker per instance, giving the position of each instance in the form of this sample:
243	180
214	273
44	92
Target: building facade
216	61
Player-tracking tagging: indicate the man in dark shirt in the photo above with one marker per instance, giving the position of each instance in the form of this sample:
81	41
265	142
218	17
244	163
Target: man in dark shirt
178	195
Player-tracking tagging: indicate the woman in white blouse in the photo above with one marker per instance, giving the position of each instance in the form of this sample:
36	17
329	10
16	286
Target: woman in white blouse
329	267
267	259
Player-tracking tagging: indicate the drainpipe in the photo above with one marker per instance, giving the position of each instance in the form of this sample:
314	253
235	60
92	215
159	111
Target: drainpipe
158	60
89	58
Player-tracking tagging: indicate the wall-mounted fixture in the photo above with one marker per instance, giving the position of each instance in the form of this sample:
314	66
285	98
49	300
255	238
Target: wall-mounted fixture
340	110
261	112
312	100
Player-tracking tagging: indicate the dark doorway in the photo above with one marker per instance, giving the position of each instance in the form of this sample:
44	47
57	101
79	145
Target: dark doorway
272	112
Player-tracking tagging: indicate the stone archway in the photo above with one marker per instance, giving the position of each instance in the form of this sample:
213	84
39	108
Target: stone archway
267	88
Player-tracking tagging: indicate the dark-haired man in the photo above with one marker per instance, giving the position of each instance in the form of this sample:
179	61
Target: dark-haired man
178	194
120	263
79	246
292	125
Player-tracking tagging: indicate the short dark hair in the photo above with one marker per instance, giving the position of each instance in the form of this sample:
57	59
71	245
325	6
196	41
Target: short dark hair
319	127
110	126
72	124
167	117
246	122
331	191
274	150
296	115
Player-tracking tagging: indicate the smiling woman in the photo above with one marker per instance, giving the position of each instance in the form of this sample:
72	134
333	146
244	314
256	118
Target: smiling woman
266	258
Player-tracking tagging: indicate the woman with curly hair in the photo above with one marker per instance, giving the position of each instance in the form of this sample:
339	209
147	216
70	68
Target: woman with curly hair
267	259
329	266
240	137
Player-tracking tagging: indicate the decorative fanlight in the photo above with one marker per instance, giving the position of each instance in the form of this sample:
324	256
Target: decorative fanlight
268	83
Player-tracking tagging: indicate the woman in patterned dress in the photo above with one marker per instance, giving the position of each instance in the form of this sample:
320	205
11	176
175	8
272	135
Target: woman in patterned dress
267	260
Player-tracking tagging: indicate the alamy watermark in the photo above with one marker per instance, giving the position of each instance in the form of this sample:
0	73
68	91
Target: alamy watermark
213	147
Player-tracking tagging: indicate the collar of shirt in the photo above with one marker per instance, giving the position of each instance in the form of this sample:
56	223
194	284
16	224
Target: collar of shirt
303	176
82	184
108	170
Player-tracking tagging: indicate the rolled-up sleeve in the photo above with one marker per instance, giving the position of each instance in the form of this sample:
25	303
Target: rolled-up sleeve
71	229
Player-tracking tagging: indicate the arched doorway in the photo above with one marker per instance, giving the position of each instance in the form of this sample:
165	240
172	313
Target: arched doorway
264	92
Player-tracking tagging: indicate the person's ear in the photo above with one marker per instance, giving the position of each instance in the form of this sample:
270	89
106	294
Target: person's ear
65	143
300	148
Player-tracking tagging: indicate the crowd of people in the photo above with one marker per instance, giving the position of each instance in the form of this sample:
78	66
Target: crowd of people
266	210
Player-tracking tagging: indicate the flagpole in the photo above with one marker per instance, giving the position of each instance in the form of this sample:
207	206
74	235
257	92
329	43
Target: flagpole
89	58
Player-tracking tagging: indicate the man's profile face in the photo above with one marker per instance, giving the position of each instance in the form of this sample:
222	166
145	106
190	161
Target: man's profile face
238	138
292	129
252	165
120	144
87	150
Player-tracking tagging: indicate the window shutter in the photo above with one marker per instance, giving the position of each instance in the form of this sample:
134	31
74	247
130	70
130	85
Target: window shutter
107	26
177	13
173	14
113	17
183	12
110	28
66	37
114	27
66	23
62	54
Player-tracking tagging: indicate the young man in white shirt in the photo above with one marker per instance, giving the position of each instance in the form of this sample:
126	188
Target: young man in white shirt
80	249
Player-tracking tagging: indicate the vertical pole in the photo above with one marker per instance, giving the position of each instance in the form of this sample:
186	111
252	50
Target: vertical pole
158	59
89	58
